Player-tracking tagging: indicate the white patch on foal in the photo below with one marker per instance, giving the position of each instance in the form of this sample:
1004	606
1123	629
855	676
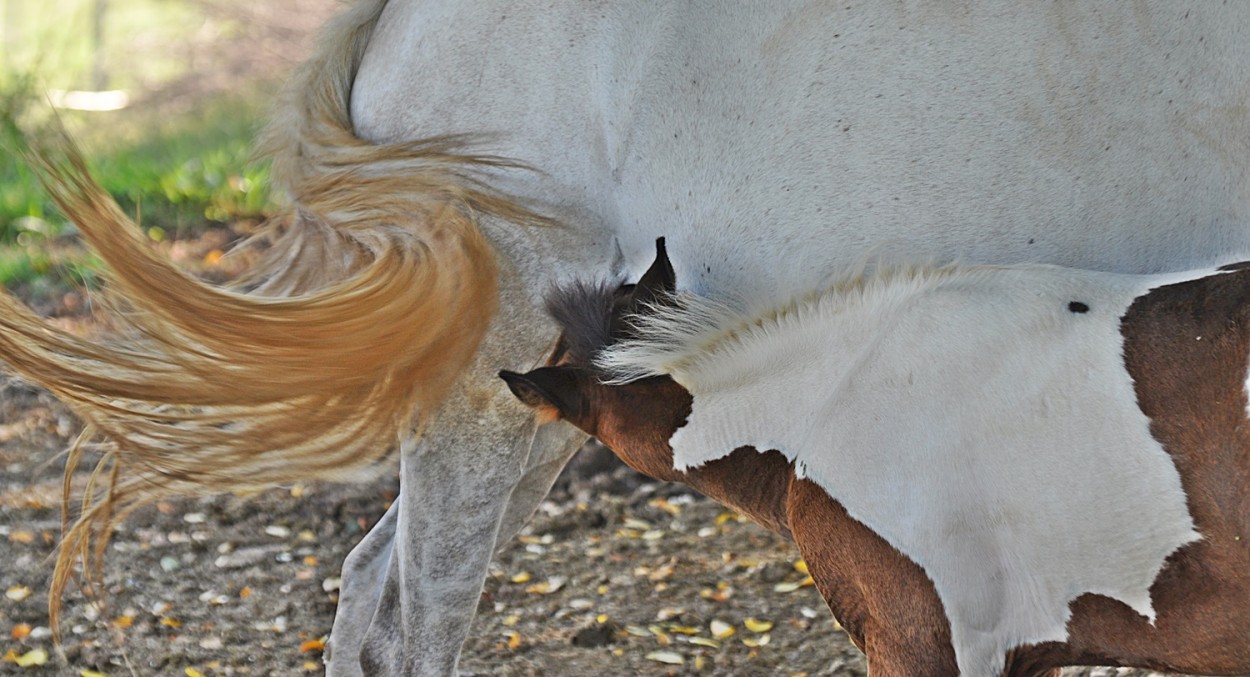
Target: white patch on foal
969	416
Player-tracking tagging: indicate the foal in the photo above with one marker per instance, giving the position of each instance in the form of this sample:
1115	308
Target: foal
989	470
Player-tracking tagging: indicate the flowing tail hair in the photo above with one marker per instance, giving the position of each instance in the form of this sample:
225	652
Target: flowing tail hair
374	293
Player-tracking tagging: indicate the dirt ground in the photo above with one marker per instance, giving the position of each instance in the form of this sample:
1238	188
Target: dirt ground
615	575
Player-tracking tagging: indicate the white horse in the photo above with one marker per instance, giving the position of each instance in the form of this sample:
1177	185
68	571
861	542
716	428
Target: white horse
771	143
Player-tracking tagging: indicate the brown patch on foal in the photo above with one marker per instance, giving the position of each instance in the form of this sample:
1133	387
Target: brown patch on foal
636	422
885	601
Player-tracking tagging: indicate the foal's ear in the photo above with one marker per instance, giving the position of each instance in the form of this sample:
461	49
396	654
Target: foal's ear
553	391
657	283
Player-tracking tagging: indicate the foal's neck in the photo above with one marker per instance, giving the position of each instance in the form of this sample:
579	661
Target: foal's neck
746	480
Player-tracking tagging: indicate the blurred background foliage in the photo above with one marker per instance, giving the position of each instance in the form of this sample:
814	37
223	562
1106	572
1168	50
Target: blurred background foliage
164	96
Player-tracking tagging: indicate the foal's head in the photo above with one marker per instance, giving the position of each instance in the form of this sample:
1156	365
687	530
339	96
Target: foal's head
593	317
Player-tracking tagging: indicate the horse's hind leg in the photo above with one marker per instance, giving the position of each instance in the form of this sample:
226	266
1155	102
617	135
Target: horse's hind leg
466	478
364	572
554	444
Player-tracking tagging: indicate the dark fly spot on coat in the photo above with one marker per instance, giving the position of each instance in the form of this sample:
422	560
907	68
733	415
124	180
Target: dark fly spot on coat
1078	307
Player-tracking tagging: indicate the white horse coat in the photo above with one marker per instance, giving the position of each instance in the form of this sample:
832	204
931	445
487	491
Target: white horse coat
773	144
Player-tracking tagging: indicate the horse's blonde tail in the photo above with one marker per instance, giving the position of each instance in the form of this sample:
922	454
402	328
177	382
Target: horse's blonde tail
375	292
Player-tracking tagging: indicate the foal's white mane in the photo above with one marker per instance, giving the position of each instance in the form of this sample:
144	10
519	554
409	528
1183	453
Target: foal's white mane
693	339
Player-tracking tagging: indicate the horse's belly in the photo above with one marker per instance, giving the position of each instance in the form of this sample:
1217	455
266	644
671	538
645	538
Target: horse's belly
775	144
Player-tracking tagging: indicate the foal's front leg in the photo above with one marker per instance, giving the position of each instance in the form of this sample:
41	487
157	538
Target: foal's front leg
885	601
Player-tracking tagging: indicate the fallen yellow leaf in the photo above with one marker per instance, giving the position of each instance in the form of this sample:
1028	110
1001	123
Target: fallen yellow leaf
720	595
514	640
662	637
171	623
192	672
522	577
32	657
637	524
721	629
794	585
661	573
801	566
313	645
91	673
22	537
669	657
18	593
755	642
552	584
758	626
663	504
20	631
9	656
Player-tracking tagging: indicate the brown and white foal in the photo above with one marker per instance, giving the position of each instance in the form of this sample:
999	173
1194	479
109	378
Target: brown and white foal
989	470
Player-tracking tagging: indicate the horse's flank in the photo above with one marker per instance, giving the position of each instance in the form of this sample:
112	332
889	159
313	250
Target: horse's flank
375	292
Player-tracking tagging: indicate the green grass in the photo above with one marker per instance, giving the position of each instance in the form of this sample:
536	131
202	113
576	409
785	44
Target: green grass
190	170
175	173
184	173
176	178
